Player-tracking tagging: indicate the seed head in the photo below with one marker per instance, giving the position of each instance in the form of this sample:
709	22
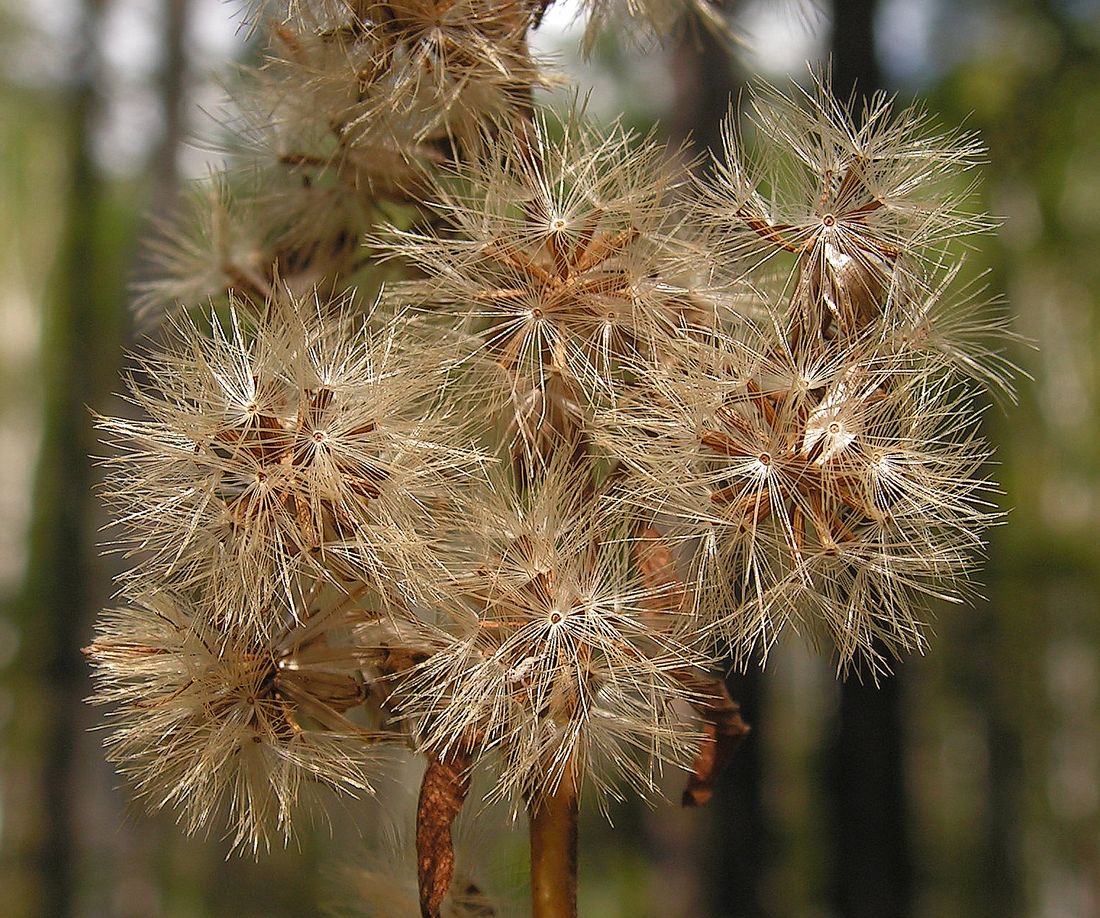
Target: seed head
436	70
560	258
302	441
206	720
856	202
557	652
830	494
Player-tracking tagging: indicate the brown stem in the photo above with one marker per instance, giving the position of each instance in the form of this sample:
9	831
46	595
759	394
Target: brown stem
553	826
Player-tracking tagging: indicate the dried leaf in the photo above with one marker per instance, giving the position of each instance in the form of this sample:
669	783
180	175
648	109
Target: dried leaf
442	793
723	728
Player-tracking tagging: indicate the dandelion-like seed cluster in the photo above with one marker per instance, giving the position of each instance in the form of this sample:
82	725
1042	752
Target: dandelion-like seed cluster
215	716
303	441
557	649
486	432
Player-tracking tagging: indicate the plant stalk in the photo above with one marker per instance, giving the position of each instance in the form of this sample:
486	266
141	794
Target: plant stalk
553	827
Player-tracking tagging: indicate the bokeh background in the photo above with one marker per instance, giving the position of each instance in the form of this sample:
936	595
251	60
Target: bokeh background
966	785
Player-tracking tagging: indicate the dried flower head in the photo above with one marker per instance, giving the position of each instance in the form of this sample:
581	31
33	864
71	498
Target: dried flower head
828	492
856	202
445	66
210	719
298	441
559	259
557	651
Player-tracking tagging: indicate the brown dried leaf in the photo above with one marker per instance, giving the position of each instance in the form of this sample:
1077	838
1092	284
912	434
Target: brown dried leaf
442	793
723	730
658	571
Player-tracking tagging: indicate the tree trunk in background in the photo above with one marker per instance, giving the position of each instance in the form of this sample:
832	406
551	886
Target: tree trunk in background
872	874
56	599
872	870
174	103
855	67
739	839
706	80
734	865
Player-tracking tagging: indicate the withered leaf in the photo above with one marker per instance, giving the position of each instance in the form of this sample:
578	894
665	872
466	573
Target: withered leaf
723	730
442	793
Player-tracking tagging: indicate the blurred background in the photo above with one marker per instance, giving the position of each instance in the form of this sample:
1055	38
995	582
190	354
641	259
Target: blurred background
967	785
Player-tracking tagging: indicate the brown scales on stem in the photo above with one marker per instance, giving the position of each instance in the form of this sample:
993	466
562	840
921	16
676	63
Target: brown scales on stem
723	731
723	726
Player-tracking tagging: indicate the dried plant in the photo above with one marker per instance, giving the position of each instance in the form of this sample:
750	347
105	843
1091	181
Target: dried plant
486	432
217	715
556	651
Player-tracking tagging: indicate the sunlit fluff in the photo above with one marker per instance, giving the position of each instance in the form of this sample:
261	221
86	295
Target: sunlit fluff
445	67
829	493
649	22
558	653
559	258
227	722
862	204
301	441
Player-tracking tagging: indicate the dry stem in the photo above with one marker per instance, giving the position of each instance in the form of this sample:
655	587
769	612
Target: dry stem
442	793
553	828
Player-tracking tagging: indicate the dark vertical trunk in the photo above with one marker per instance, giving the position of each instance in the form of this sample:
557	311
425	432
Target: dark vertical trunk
736	856
872	872
872	876
706	80
994	882
173	101
855	67
57	590
740	842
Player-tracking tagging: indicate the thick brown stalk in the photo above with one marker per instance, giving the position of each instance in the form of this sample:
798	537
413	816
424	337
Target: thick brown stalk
553	827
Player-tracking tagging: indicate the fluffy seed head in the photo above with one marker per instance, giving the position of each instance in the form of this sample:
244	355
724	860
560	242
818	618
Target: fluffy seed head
830	494
855	202
558	652
210	720
431	70
299	441
559	260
